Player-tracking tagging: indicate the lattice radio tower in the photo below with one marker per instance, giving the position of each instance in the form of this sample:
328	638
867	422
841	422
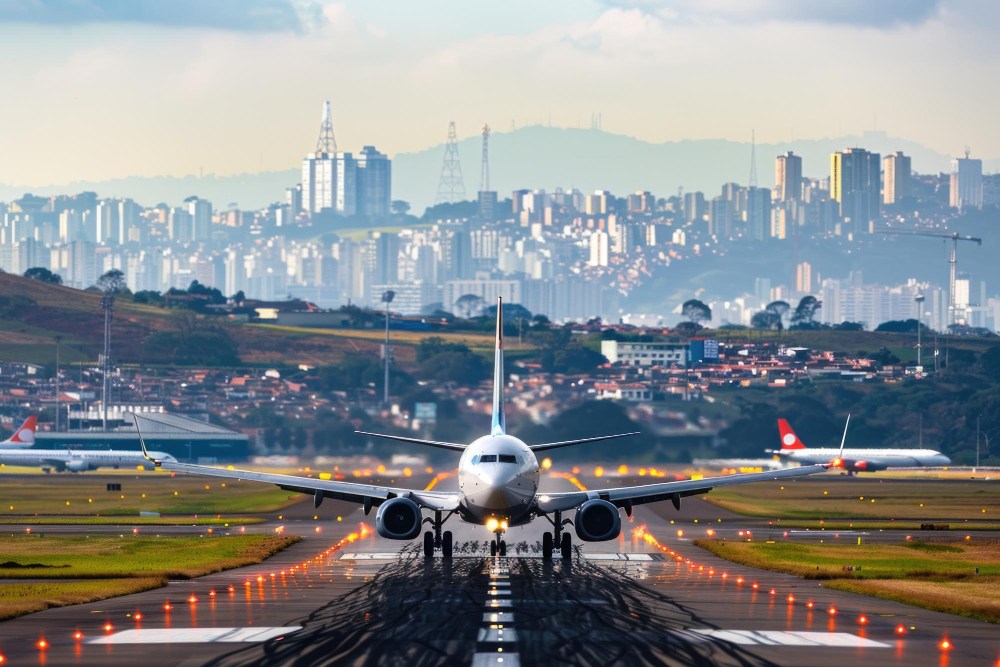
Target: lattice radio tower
484	178
452	186
326	142
753	160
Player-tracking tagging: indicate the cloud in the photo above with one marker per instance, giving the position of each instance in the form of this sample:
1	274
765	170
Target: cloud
238	15
862	13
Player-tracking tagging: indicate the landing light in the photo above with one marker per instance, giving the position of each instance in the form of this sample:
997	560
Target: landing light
492	525
546	463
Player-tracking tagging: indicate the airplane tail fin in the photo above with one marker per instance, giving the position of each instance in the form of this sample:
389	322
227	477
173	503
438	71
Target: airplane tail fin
24	436
788	438
499	426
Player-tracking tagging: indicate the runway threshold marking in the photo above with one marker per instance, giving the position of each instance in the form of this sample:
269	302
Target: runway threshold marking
194	635
782	638
391	555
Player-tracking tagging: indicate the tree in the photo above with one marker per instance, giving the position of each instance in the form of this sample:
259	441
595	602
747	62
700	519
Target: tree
779	309
43	275
468	305
112	282
239	297
805	312
400	207
902	326
511	311
696	311
765	319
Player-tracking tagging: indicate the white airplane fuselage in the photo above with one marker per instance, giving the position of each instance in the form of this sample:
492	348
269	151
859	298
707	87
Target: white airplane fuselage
76	460
498	478
875	458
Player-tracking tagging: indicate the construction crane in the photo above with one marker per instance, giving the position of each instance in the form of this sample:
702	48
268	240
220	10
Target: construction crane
955	238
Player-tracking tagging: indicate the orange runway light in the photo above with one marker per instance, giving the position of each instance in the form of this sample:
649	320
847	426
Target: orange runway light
832	611
944	645
2	659
772	592
863	620
211	593
725	575
739	580
166	606
232	589
77	635
192	599
138	616
42	644
900	629
791	599
260	578
810	604
108	627
756	585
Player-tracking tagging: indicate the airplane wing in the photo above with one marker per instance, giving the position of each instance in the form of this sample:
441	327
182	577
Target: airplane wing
367	494
322	488
418	441
567	443
673	491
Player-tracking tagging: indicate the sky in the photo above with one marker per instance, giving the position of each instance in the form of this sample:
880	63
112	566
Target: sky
98	89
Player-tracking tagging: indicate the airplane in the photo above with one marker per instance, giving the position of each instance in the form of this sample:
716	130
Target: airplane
16	451
497	488
854	460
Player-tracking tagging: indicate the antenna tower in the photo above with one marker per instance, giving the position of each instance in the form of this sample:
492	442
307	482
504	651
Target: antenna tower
451	188
484	178
753	160
326	142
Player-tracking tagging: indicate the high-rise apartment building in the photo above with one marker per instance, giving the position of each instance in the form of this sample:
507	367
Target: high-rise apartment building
856	184
966	183
200	211
803	278
374	183
896	169
788	176
329	181
758	211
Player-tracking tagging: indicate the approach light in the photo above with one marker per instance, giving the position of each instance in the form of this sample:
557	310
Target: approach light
791	599
138	616
863	620
77	635
900	629
832	611
108	627
944	645
810	604
756	585
167	606
42	644
492	525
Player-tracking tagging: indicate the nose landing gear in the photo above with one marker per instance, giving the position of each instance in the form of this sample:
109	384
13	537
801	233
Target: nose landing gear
498	547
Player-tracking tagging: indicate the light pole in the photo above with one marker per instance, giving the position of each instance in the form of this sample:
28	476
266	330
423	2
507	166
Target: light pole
977	440
58	408
387	297
107	305
920	316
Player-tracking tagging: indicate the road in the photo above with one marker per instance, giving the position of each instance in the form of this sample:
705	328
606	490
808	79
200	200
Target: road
371	601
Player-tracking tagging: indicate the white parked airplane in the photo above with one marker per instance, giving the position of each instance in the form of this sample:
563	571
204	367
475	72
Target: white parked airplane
17	451
854	460
497	487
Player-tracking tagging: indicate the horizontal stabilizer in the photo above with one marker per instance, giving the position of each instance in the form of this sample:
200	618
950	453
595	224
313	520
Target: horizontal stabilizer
417	441
567	443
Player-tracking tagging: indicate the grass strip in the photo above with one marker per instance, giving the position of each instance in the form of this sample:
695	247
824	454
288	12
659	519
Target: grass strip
117	520
18	599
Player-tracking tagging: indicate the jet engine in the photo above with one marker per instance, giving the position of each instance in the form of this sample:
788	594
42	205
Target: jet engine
398	519
77	466
598	521
851	465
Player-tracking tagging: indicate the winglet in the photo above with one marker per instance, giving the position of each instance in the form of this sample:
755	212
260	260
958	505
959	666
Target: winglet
839	461
499	426
142	442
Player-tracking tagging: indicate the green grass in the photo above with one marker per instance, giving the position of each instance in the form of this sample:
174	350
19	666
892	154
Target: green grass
128	521
930	575
959	527
86	495
113	557
948	500
19	599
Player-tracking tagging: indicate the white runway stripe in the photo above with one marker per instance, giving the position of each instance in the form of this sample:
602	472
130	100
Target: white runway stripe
194	635
781	638
496	660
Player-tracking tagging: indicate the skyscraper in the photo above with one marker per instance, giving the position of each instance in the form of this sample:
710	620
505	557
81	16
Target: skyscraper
374	183
803	278
200	211
329	181
897	177
966	182
788	176
856	184
758	211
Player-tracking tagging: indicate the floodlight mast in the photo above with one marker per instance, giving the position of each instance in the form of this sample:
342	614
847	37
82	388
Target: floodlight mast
387	297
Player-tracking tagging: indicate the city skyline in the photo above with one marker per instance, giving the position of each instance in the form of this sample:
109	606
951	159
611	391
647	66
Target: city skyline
234	88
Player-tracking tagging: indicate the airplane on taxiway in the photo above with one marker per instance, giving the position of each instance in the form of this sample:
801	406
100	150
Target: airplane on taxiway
17	451
793	450
497	488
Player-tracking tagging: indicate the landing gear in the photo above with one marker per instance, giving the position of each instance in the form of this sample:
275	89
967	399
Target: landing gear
446	544
493	549
503	548
547	546
428	544
435	539
567	546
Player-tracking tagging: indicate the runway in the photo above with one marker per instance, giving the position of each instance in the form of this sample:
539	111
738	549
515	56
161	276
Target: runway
337	599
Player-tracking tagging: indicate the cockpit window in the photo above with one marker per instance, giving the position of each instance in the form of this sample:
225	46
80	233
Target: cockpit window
508	458
488	458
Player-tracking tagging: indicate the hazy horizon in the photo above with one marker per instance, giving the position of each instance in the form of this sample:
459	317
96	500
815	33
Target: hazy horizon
109	89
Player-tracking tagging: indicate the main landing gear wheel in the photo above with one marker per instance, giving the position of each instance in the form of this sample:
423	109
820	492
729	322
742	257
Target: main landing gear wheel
567	546
547	546
446	544
503	547
429	544
493	548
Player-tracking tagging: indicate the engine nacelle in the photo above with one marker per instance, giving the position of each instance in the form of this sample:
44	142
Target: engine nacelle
598	521
851	465
398	519
77	466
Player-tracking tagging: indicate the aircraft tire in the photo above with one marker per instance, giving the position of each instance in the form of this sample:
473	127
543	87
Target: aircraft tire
547	546
446	544
428	544
567	546
503	547
493	548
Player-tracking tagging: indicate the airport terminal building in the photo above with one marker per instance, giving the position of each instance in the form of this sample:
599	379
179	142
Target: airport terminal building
186	439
